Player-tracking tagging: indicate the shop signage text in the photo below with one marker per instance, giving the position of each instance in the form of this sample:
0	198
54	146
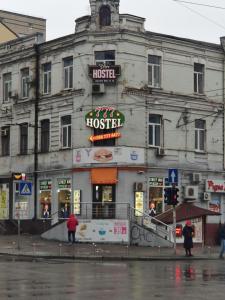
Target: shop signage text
64	183
45	185
104	117
106	136
104	74
215	186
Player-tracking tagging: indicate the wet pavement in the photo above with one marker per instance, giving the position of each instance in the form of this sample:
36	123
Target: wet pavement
81	280
35	246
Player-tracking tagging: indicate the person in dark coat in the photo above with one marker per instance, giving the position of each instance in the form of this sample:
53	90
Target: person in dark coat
222	240
71	226
188	233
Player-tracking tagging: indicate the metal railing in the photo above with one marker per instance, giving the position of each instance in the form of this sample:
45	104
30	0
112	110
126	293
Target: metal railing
142	219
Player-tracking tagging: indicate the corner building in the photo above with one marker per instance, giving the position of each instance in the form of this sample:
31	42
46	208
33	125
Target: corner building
95	119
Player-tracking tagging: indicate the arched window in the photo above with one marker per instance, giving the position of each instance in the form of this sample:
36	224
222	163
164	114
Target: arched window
105	15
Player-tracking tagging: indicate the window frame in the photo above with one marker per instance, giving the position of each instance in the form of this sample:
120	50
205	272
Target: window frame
5	141
199	78
68	73
23	139
24	83
105	16
155	68
44	136
66	129
7	87
46	78
199	134
154	126
105	61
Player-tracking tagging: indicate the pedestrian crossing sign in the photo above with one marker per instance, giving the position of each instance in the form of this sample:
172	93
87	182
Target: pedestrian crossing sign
25	188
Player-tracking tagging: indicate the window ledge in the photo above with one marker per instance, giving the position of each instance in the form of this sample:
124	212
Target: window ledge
200	152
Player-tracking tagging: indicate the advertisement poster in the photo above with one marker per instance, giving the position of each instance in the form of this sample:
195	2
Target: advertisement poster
103	231
214	205
21	211
3	205
100	155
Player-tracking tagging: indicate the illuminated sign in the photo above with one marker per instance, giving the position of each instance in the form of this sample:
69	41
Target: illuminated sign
106	136
64	183
104	74
104	117
45	185
179	230
19	176
139	203
77	202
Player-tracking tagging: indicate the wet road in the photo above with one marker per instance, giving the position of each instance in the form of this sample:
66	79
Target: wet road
112	280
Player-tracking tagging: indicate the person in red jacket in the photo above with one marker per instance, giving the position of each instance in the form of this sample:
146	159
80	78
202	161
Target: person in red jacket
71	226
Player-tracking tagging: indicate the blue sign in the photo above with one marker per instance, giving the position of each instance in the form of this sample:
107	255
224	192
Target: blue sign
25	188
173	176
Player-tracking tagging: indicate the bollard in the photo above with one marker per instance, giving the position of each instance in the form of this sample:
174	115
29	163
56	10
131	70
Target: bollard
34	248
60	249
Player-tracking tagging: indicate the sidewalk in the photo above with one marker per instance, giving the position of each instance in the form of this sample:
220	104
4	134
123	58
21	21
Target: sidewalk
35	247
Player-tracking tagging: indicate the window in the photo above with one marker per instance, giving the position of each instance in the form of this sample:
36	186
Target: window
198	78
154	71
7	87
5	135
66	132
108	142
154	130
200	132
105	16
106	58
46	68
45	135
25	83
23	138
68	72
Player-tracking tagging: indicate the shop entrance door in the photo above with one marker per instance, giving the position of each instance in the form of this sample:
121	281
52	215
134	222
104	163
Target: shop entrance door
103	201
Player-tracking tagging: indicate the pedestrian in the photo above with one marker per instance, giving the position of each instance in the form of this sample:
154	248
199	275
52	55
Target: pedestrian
71	226
222	240
152	211
188	233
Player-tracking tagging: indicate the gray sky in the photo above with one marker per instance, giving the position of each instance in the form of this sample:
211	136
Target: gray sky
163	16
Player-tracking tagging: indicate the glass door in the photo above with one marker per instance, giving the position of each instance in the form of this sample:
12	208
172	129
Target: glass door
103	202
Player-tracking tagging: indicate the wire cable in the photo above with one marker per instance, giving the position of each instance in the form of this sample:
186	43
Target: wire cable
200	4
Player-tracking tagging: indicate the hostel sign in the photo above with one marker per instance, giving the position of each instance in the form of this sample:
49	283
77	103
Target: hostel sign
104	74
104	117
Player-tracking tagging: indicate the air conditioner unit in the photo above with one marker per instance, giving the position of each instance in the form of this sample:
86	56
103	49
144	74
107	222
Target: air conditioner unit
98	88
4	131
191	192
139	187
206	196
160	152
196	177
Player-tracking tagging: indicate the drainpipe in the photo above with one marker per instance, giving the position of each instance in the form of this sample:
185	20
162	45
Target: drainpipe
36	107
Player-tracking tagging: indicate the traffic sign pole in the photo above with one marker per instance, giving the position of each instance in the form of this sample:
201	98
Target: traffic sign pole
174	230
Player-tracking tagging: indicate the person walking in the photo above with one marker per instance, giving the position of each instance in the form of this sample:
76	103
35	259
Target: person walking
72	223
222	240
188	233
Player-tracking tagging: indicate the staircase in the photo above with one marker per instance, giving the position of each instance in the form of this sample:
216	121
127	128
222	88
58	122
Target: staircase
149	231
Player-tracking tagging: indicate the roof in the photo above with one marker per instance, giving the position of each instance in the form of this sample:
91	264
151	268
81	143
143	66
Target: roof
185	211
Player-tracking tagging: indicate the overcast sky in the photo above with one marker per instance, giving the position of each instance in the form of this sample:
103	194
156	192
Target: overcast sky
163	16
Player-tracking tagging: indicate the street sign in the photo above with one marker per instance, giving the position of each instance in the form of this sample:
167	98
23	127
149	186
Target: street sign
173	176
25	188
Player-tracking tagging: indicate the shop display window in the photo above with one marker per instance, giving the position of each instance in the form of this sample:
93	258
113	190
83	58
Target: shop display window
155	195
4	201
45	204
64	200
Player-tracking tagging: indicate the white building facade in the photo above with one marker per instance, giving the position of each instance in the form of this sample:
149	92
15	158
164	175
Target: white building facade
97	118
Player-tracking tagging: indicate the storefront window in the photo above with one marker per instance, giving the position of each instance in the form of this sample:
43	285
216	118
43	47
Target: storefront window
45	198
156	204
64	198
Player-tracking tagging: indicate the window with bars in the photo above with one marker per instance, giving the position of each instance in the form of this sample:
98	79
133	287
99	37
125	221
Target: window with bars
24	138
46	79
154	128
7	86
66	131
200	135
106	58
5	140
25	83
198	78
154	71
45	135
68	72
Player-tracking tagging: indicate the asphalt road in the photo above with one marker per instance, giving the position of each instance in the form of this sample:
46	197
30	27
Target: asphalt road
58	279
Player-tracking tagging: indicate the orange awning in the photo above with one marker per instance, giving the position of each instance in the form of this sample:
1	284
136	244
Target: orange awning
104	176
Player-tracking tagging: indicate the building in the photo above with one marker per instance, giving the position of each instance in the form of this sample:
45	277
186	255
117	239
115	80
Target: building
97	118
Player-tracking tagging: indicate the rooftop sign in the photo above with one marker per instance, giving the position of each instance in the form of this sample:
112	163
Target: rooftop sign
104	74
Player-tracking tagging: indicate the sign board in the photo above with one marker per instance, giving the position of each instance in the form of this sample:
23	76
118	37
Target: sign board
215	186
114	155
45	185
104	74
103	231
25	188
173	176
64	183
104	117
106	136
